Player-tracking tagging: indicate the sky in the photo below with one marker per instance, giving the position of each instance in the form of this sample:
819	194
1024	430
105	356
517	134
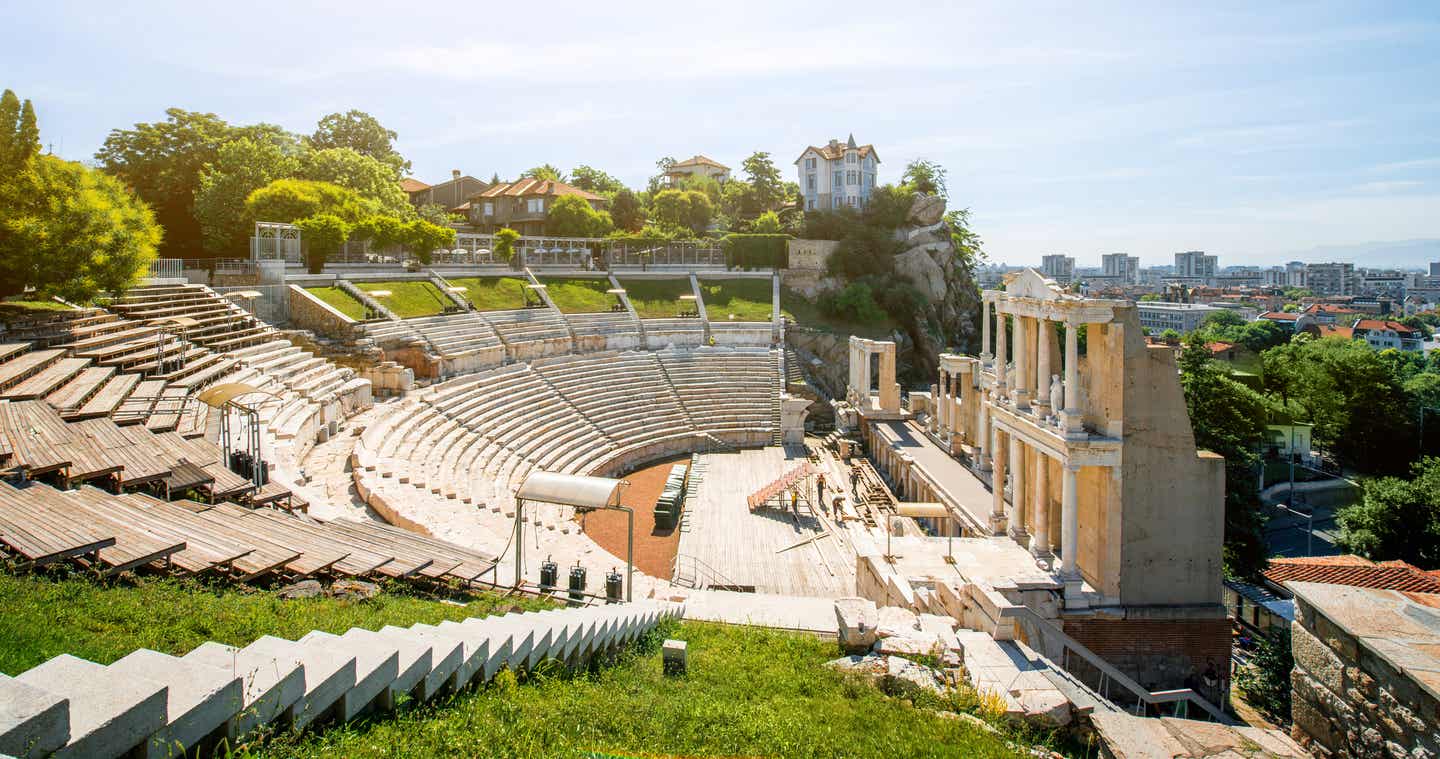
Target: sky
1251	130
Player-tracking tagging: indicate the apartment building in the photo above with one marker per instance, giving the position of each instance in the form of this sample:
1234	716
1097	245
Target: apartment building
1058	267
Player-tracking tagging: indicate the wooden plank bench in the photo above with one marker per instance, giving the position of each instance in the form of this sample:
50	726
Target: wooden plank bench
108	397
40	540
47	380
306	534
18	369
79	390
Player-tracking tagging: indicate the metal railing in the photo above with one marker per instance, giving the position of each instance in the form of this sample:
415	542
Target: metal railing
702	572
1041	630
166	268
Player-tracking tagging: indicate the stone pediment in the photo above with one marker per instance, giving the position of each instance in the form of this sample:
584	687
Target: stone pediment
1028	283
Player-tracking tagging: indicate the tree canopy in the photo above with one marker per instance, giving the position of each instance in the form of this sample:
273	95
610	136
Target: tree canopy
925	176
767	188
368	177
595	180
1397	518
545	171
687	209
65	229
363	133
627	212
572	216
240	167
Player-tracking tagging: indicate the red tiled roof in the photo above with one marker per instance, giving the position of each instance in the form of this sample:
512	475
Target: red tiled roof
1330	330
701	160
529	187
1219	347
838	152
1380	324
410	184
1354	571
1329	308
1279	316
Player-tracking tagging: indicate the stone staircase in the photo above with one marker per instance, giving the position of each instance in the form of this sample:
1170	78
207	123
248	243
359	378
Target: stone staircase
165	705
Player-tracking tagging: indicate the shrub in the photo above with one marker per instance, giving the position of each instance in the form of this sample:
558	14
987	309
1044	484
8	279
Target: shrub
505	239
855	303
757	251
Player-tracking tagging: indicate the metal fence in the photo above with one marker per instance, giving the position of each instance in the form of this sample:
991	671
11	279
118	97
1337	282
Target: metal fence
166	268
272	306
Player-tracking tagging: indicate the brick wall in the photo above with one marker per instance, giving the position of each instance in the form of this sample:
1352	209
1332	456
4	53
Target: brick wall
1158	653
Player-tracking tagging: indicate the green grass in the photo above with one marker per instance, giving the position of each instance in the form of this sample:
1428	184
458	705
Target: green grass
46	616
494	293
21	305
409	298
749	692
579	296
807	314
656	298
748	300
340	300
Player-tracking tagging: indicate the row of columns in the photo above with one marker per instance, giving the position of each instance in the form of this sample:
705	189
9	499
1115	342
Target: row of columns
1008	463
1031	383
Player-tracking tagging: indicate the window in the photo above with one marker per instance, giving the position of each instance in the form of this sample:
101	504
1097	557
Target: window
837	202
810	164
838	180
850	157
810	204
535	205
810	182
851	200
852	177
489	208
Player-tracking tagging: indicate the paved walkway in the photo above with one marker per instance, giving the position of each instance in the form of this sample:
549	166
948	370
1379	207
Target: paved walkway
954	477
761	610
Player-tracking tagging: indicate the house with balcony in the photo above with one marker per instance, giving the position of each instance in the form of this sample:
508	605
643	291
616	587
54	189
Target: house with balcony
698	166
837	175
450	194
522	205
1384	333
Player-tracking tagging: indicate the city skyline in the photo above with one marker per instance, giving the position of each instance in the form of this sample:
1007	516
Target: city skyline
1255	133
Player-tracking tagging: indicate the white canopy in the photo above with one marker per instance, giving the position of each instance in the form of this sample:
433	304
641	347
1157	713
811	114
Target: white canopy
570	490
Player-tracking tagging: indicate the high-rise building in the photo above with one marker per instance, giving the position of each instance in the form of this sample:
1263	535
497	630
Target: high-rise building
1435	269
1332	278
1124	267
1196	264
1297	274
1058	267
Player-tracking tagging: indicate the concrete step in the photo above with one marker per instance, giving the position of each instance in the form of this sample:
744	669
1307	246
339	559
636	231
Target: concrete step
414	660
329	674
271	684
447	656
201	698
377	665
473	657
110	712
33	721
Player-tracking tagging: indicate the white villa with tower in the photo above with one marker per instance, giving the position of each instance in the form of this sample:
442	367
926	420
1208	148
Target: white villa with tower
837	174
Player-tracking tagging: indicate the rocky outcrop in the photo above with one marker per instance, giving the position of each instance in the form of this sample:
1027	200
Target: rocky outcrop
946	279
927	210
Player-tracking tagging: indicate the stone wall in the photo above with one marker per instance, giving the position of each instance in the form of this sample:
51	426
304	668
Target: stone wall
310	313
1358	687
1157	653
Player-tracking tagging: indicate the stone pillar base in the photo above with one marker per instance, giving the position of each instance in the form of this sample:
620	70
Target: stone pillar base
997	524
1075	593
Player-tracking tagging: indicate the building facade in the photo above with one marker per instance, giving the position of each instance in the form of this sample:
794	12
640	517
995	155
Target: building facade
837	175
523	205
450	194
1125	268
1058	267
1331	279
1158	316
1381	334
1196	264
698	166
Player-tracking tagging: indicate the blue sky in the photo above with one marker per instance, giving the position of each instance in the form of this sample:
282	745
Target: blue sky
1251	130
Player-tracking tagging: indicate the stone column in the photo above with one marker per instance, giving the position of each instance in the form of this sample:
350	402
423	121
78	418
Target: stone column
997	480
1044	338
941	410
1018	488
1021	382
1002	351
1040	542
958	389
1070	523
985	306
982	437
1070	417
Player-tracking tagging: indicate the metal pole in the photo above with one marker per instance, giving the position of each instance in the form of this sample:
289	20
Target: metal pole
519	539
629	552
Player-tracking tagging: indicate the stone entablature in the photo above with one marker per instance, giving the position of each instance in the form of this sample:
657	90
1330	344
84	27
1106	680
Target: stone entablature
1367	672
884	401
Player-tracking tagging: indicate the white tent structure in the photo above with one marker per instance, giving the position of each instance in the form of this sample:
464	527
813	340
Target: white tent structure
580	492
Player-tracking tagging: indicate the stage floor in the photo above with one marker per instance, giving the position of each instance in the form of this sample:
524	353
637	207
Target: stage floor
771	549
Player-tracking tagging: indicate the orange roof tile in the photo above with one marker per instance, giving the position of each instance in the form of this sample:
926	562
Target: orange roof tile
410	184
1219	346
838	152
530	187
1354	571
1330	330
1379	324
1279	316
701	160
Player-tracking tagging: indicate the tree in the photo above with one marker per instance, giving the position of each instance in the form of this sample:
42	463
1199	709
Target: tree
362	133
767	188
382	231
1397	518
572	216
368	177
1222	319
595	180
435	214
424	238
924	176
1264	681
505	239
657	182
287	200
240	167
545	171
65	229
1228	419
768	223
161	162
682	208
323	234
968	244
626	211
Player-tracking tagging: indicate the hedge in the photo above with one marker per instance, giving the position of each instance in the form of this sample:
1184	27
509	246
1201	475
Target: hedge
755	251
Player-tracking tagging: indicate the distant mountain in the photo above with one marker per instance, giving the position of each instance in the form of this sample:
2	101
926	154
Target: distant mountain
1399	254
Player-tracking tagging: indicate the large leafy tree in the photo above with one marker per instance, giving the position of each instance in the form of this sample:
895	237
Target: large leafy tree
925	176
241	167
362	133
368	177
323	235
627	212
1397	518
424	238
595	180
1229	419
161	162
767	188
286	200
572	216
65	229
545	171
687	209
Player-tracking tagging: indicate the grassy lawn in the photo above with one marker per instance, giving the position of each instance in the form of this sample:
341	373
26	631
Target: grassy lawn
340	300
749	692
494	293
409	299
47	616
656	298
579	296
748	300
